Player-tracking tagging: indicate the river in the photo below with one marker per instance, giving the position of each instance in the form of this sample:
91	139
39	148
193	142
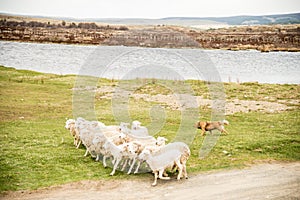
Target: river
120	62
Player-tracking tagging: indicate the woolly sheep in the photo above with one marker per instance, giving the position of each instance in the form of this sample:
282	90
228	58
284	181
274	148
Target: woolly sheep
180	146
70	125
97	145
160	142
136	129
158	162
117	152
130	154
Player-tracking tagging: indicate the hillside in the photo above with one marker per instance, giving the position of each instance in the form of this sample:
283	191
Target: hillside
184	33
292	18
245	20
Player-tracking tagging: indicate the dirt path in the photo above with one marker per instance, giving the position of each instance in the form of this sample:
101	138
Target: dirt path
263	181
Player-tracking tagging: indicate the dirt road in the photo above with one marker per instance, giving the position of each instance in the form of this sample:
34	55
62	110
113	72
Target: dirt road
263	181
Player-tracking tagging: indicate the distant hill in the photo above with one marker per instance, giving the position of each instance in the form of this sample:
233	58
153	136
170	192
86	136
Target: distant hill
248	20
293	18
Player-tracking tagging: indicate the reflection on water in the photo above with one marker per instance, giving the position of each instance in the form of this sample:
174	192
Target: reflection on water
119	62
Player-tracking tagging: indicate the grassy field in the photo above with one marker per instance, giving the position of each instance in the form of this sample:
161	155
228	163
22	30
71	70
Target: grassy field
36	150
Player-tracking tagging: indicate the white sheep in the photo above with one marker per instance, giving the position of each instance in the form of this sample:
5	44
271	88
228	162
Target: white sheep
180	147
149	140
130	154
82	124
70	125
87	137
159	162
183	148
87	131
160	142
97	145
136	129
117	152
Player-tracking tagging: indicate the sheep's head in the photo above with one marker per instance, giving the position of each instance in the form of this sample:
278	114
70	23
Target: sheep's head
138	147
160	141
69	123
122	135
135	124
124	127
130	148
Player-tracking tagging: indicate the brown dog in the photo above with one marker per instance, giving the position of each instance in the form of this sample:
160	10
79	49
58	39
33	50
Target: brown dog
209	126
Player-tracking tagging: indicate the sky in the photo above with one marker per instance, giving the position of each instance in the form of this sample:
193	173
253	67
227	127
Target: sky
148	8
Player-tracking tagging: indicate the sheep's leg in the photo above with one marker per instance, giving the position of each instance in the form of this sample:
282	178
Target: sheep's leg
137	167
160	175
93	155
98	157
129	162
115	166
180	167
165	173
79	143
124	165
113	160
104	161
86	152
155	178
185	172
131	166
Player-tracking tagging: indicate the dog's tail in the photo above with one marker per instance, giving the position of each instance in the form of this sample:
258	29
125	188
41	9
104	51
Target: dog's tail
225	122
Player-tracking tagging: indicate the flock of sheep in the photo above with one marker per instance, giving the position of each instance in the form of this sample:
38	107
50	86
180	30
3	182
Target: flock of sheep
131	146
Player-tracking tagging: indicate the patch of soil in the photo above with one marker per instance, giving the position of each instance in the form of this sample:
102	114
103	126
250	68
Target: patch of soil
184	101
263	181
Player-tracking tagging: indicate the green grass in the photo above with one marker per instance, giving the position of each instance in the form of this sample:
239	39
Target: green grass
36	150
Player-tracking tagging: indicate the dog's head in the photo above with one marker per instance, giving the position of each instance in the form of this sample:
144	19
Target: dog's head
198	125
